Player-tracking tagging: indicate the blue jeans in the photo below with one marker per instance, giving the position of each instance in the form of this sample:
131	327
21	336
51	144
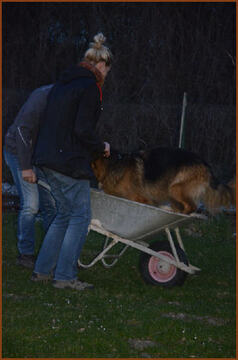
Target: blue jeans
32	199
67	233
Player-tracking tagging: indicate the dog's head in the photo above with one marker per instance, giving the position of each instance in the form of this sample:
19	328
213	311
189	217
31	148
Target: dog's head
113	165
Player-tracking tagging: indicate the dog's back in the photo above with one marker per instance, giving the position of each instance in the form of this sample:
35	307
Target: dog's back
161	160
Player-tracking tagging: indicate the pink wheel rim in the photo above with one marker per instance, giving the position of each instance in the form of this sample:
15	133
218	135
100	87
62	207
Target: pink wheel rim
160	270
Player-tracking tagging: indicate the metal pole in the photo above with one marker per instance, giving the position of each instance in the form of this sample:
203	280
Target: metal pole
181	135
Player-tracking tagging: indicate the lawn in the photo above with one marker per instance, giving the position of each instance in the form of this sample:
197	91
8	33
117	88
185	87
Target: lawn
123	317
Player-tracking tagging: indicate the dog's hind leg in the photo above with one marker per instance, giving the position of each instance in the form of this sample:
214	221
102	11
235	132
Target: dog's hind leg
180	201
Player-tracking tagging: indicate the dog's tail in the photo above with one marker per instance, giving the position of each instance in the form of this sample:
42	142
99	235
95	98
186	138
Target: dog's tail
220	196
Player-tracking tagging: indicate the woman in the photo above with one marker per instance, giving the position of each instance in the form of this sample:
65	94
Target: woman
63	151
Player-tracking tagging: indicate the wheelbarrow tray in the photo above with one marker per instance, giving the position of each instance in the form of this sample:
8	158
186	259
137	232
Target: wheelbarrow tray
132	223
132	220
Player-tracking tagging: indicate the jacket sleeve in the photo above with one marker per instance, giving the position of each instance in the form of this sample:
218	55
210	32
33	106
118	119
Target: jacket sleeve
87	117
28	126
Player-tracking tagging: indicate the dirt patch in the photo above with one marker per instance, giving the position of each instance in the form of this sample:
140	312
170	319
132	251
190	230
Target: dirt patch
141	344
189	318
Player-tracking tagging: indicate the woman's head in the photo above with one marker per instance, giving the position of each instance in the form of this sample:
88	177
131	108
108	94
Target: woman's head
98	52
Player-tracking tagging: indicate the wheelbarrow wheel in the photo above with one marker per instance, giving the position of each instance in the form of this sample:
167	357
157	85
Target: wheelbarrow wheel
159	272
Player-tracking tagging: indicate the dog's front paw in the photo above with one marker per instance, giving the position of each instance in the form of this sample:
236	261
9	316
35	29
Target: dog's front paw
165	207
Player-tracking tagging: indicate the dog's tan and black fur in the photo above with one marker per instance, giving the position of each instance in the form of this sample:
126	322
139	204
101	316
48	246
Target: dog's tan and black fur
163	175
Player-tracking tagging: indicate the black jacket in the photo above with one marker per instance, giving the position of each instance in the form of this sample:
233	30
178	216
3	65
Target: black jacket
67	136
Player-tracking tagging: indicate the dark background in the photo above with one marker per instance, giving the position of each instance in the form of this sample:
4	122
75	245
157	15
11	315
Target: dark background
161	50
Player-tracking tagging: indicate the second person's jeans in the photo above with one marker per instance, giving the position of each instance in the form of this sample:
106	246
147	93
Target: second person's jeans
33	198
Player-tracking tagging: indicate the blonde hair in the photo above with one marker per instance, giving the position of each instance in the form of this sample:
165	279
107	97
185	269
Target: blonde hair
98	52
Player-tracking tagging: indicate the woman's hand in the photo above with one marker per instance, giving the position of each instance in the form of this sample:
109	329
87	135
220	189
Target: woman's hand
29	176
107	150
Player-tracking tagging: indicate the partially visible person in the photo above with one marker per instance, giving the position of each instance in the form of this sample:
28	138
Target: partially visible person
19	144
66	142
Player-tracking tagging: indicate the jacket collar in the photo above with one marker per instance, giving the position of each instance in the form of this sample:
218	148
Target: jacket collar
94	70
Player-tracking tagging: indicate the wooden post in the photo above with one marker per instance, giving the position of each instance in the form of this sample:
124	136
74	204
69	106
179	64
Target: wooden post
182	124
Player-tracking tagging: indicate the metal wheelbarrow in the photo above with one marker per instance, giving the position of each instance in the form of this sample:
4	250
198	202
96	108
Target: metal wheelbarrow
163	263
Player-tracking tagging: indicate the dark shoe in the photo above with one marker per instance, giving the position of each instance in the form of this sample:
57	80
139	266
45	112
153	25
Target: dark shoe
72	284
27	261
41	277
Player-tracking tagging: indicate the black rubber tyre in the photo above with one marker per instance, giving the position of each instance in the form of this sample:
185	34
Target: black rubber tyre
158	272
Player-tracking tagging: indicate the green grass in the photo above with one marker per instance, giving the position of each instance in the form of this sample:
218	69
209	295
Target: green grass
122	312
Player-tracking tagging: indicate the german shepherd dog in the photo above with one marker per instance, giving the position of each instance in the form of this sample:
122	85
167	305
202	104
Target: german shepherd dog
163	175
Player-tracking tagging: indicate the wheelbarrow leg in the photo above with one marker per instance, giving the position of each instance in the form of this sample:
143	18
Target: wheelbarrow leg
99	256
171	241
180	241
116	257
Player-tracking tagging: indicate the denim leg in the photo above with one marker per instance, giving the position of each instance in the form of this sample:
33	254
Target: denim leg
49	251
47	201
29	206
66	235
75	236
